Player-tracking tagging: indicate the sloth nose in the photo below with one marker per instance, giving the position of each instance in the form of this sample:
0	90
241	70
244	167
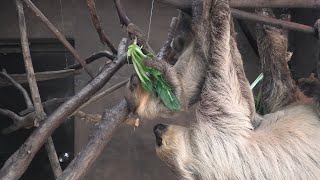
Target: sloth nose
159	130
134	79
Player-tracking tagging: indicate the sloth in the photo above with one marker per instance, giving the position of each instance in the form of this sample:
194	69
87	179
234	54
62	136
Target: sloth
229	140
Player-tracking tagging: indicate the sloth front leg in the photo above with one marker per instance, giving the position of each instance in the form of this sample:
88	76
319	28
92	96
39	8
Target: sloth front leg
222	102
278	88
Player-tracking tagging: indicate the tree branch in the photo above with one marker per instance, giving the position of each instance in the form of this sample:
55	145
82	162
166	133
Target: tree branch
39	112
132	28
56	32
111	120
92	58
40	76
17	164
95	19
167	53
19	87
28	64
53	157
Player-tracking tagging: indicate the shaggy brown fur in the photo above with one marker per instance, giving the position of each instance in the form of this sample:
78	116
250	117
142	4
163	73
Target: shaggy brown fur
224	142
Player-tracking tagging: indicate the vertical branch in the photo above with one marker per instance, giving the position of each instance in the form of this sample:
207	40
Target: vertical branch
40	114
96	22
53	157
28	63
58	35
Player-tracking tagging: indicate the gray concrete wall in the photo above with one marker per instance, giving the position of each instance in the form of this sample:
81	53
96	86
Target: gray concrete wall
130	154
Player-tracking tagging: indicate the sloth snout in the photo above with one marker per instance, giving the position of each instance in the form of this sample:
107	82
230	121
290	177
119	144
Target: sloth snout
159	130
134	81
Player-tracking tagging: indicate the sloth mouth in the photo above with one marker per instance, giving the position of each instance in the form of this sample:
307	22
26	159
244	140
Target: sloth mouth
159	130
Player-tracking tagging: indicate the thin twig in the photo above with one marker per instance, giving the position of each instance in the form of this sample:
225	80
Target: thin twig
101	95
95	19
19	87
57	33
39	112
92	58
132	28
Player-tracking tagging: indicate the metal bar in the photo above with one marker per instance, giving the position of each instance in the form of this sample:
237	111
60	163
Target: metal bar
186	4
274	22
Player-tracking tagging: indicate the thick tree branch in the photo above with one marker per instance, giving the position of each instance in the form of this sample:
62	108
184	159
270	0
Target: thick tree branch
56	32
111	120
19	87
17	164
40	76
92	58
39	111
95	19
185	4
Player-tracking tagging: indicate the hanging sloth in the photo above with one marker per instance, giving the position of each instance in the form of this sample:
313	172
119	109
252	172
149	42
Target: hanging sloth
229	139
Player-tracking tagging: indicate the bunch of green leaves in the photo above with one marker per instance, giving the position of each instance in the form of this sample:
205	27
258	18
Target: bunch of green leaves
258	99
151	78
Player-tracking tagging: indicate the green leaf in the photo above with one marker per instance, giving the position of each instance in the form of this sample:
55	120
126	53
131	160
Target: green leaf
152	79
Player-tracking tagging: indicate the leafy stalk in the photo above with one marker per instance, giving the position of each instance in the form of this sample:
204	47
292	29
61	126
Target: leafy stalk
152	79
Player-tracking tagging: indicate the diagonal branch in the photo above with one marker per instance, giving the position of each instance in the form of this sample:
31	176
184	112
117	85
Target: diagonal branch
19	87
111	120
95	19
56	32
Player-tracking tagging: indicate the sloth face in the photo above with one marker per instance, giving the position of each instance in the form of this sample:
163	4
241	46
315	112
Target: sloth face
134	93
143	103
172	146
